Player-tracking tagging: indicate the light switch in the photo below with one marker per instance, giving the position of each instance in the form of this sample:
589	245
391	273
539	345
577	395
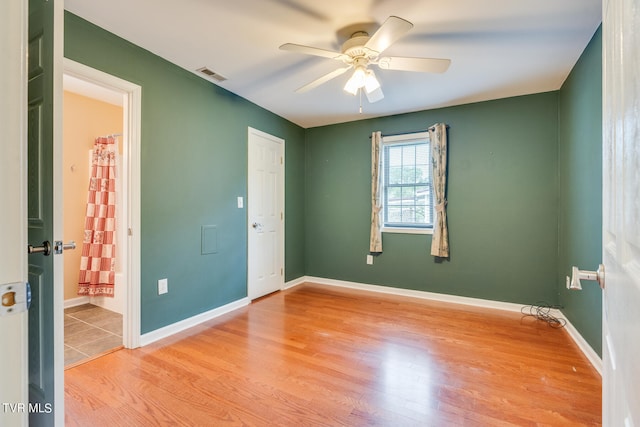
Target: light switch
163	286
240	202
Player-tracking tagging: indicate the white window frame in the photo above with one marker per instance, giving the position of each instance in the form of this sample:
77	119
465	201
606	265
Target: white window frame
402	139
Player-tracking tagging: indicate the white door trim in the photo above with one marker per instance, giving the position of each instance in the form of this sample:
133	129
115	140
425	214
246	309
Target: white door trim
281	202
132	94
58	219
13	197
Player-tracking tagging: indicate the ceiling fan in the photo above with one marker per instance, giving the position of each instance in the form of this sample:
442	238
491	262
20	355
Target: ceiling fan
361	50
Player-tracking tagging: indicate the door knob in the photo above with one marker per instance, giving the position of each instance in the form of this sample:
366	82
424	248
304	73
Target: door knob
577	275
256	225
45	249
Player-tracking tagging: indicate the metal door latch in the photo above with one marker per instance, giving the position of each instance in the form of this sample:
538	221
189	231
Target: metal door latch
14	298
58	246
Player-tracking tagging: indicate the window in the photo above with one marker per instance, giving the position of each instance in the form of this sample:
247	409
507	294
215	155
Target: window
407	192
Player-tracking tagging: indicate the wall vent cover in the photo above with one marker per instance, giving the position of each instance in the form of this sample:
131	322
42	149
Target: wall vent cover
212	74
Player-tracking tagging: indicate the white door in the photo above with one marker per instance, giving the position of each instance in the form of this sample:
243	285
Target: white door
621	213
265	214
13	217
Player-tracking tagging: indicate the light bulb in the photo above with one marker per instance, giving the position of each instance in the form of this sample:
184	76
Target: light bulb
370	82
359	77
357	81
351	87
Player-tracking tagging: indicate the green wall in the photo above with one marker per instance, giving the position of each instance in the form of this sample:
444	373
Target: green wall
580	207
194	166
517	220
502	210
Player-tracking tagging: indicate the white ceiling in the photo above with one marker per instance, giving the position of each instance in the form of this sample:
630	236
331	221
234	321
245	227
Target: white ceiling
498	48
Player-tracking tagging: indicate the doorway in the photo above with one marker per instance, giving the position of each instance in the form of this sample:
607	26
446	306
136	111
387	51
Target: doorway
97	104
92	325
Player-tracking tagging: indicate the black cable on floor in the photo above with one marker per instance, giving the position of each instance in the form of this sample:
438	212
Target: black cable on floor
542	311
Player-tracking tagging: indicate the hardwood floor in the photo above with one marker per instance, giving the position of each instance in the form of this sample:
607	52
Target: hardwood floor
322	356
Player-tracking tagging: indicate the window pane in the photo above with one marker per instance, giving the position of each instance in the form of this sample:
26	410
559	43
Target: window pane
422	154
395	175
407	190
422	195
394	196
408	174
408	214
394	215
408	154
422	174
395	156
408	195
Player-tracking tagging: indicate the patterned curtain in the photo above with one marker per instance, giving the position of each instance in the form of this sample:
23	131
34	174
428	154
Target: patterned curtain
97	264
375	242
438	140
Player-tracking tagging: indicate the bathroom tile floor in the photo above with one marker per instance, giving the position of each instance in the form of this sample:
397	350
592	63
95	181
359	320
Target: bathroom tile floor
89	331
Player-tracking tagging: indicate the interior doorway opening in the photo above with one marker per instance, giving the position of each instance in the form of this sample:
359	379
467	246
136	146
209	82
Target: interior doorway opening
97	104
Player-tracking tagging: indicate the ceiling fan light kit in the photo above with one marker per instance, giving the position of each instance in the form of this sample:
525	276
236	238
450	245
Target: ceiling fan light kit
356	81
360	51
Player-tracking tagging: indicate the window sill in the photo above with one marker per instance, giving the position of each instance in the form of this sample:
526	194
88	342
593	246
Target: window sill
407	230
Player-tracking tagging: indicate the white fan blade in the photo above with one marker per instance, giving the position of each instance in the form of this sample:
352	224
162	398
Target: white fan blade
375	95
308	50
314	84
390	31
425	65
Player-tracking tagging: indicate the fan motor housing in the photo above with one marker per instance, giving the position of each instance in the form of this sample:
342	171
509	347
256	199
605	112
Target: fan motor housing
354	47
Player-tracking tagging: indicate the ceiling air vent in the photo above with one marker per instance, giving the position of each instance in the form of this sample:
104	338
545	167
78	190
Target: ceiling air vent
211	74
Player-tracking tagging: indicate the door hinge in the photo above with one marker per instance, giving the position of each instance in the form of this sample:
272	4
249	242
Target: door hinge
281	160
282	272
281	216
130	232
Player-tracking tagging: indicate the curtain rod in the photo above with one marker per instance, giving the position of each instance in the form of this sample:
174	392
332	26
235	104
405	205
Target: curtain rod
408	133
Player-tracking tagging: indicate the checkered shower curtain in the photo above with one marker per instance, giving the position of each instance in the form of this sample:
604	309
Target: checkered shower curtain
97	264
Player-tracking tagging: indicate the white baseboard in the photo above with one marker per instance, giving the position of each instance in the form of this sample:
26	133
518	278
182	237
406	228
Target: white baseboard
295	282
180	326
584	346
73	302
476	302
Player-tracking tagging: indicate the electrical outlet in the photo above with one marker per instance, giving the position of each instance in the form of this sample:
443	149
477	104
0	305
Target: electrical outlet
240	202
370	259
163	286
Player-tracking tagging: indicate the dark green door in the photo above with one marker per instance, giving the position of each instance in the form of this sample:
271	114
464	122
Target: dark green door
40	212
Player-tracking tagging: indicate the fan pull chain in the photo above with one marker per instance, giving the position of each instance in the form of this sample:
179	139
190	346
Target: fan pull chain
360	93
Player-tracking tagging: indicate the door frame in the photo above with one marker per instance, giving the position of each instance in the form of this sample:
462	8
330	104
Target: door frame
132	108
13	227
252	132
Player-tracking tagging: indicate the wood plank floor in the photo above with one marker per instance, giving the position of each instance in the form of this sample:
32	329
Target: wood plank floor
323	356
